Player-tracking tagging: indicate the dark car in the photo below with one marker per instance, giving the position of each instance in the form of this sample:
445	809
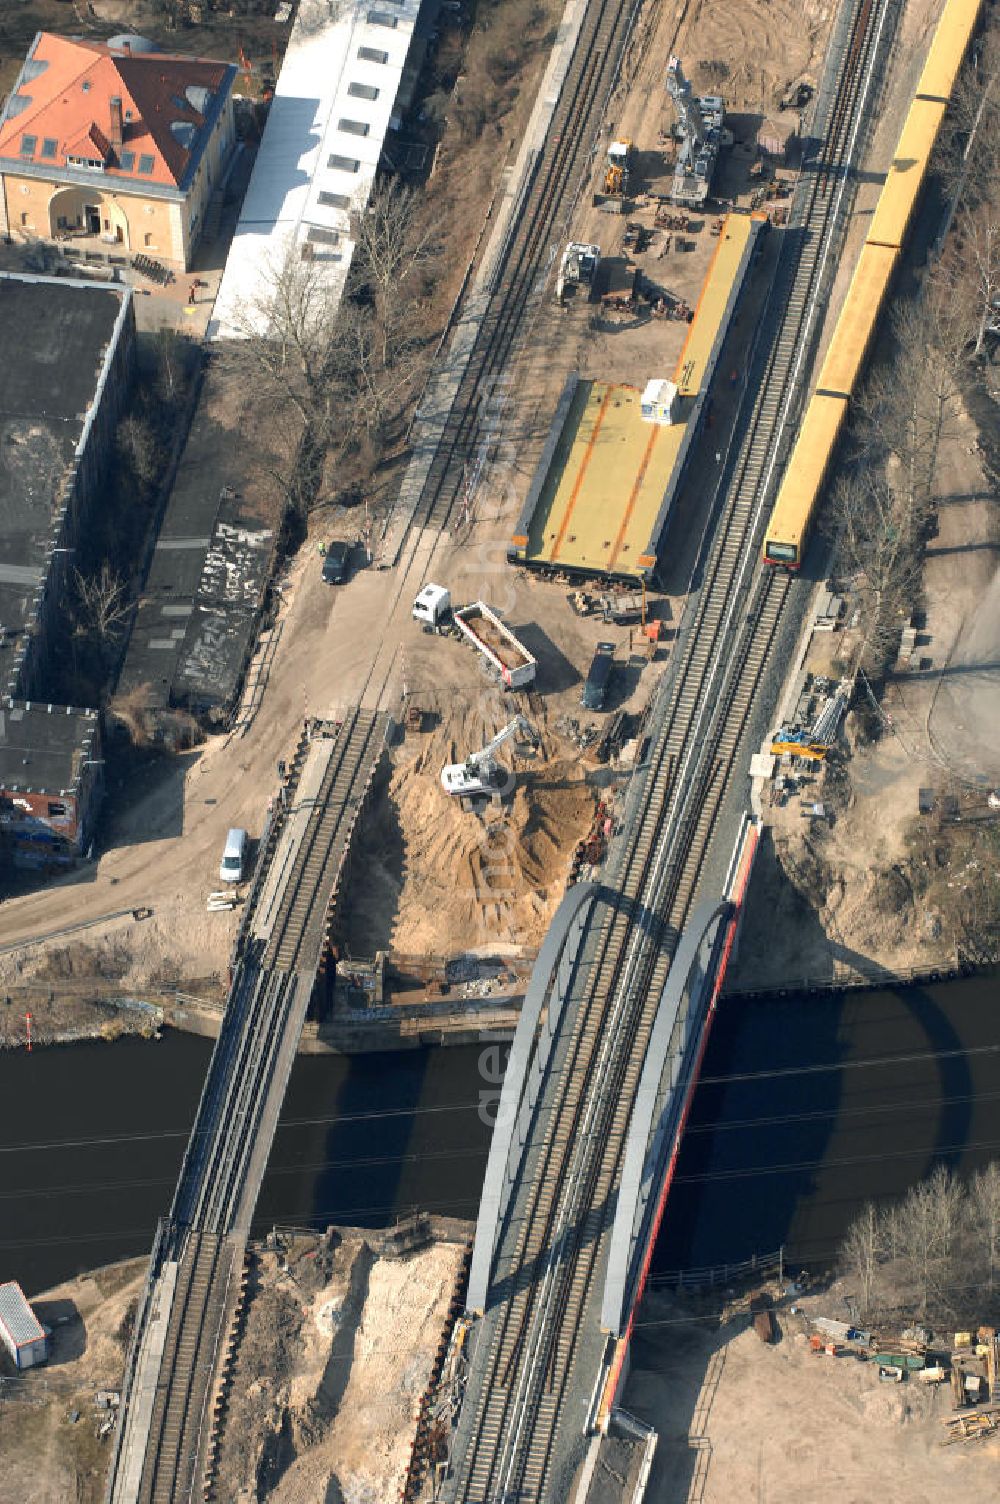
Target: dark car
336	563
595	690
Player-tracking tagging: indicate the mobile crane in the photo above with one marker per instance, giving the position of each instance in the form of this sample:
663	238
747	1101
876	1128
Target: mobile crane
699	127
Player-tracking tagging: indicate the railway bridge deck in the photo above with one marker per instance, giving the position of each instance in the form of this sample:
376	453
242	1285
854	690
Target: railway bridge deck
556	1278
167	1419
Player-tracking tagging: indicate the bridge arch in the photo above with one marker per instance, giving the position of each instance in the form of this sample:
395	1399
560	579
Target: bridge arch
656	1119
550	978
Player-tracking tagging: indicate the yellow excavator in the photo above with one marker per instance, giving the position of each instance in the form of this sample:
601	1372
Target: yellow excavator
616	172
798	744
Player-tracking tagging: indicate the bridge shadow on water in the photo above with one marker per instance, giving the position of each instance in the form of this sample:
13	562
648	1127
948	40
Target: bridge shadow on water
808	1106
366	1138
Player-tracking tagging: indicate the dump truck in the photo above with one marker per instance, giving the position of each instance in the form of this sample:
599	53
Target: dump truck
432	608
509	658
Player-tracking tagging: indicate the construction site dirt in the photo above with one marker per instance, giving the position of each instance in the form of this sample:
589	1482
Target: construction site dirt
738	1418
338	1349
440	881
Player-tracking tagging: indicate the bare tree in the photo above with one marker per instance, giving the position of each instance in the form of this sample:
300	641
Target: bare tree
930	1220
139	448
170	365
396	243
968	154
862	1252
102	605
978	237
984	1198
289	334
876	549
134	709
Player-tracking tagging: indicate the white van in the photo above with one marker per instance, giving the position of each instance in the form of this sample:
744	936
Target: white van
234	857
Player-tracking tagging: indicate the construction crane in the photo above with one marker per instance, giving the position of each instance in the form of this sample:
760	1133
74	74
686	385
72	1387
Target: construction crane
480	773
699	126
798	744
692	127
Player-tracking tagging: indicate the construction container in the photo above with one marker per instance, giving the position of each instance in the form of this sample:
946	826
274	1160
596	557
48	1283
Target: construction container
910	1361
20	1330
498	645
659	401
763	1325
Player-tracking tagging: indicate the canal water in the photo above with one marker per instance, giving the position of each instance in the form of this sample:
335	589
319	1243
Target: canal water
92	1137
807	1106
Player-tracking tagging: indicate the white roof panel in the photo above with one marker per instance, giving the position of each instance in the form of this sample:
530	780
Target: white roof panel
303	131
17	1316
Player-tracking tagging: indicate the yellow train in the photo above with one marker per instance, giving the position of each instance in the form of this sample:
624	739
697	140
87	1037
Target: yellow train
788	529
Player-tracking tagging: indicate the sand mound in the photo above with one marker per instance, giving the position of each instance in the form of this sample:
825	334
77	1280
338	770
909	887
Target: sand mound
435	879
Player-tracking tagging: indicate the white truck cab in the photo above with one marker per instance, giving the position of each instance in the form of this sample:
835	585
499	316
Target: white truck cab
432	606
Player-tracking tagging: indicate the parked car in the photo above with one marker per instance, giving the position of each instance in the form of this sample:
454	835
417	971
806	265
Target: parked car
336	563
234	858
595	690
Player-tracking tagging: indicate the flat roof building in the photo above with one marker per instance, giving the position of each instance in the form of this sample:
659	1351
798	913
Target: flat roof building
333	103
201	602
20	1330
70	350
51	780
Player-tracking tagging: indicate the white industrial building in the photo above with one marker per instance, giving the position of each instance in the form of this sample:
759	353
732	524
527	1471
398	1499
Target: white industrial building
20	1330
333	104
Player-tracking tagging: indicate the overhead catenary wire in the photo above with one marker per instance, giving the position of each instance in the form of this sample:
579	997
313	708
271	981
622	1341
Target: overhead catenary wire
365	1162
396	1113
386	1114
449	1154
326	1119
323	1217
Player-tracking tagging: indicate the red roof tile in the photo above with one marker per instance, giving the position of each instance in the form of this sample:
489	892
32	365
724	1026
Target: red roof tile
68	101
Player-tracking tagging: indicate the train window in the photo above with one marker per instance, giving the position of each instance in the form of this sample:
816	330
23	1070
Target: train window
782	553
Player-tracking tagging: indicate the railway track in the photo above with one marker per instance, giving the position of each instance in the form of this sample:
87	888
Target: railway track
298	938
551	1254
226	1155
525	260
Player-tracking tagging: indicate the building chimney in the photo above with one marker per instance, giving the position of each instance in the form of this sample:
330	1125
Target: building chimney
117	128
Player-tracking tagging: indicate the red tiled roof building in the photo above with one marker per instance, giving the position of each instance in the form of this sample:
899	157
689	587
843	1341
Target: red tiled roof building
116	141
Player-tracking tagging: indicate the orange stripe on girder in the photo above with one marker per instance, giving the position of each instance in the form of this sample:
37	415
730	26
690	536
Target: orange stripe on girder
581	473
723	236
633	498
